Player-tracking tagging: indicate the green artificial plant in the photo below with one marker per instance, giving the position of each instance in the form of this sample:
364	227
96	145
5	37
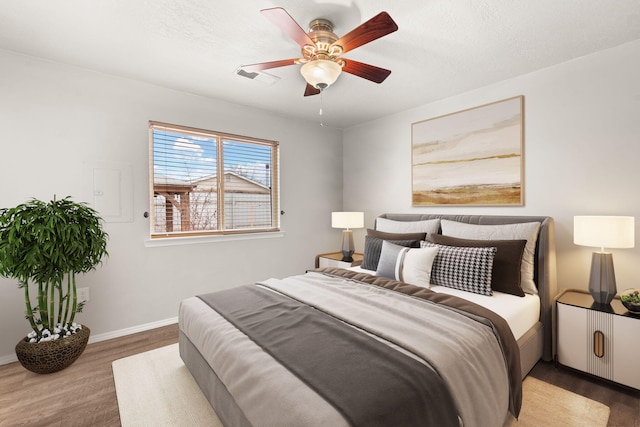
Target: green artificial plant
44	246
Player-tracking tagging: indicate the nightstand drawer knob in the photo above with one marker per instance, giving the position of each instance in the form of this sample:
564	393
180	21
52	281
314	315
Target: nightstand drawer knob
598	343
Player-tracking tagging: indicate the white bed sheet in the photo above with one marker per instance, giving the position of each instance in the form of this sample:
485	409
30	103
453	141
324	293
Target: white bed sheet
521	313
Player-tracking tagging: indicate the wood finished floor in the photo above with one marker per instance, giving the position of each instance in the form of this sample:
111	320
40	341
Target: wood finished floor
84	394
624	402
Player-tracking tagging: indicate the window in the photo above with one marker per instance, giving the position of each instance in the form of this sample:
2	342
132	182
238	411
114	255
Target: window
206	182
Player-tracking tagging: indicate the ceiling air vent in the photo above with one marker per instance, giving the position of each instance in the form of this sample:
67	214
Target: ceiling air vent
258	76
243	73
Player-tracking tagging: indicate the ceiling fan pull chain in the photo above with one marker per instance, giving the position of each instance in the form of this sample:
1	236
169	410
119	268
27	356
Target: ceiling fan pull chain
321	123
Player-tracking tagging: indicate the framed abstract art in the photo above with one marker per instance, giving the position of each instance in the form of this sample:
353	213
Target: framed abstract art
473	157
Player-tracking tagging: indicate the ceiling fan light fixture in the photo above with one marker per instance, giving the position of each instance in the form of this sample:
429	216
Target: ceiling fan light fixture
321	73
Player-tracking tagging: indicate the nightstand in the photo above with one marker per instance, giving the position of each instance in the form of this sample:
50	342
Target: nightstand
601	340
334	259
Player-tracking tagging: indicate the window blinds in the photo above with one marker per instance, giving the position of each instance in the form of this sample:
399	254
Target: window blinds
205	182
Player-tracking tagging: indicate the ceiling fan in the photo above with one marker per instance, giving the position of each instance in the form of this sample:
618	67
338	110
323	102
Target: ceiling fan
322	49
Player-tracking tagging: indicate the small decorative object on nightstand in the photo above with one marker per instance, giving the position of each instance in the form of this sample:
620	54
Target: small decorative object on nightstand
599	339
334	259
603	232
631	300
347	220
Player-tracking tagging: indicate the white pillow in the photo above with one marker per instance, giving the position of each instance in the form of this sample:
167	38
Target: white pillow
521	231
409	265
392	226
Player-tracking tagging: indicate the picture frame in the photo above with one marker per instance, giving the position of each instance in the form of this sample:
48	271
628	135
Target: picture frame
472	157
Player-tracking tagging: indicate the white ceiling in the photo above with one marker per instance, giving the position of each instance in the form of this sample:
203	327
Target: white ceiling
442	47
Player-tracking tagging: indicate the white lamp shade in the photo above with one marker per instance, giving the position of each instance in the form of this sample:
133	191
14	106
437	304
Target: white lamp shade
604	231
347	219
320	73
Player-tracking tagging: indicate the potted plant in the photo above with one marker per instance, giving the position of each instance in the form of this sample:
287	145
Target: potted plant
44	246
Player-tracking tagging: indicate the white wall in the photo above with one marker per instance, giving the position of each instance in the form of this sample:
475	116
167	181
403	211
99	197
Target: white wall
55	120
582	130
582	154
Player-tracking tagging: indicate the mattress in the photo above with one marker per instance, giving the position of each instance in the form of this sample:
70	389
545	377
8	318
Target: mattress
521	313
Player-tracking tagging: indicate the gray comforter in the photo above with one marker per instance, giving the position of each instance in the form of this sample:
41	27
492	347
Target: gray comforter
462	349
364	379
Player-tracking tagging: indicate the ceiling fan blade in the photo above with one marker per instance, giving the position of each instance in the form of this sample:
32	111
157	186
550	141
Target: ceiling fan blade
366	71
376	27
310	90
286	23
252	68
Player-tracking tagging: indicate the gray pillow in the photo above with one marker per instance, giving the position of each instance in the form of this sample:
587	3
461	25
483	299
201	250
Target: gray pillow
393	226
409	265
373	247
395	236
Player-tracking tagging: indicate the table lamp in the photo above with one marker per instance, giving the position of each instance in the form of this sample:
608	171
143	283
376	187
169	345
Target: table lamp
347	221
603	232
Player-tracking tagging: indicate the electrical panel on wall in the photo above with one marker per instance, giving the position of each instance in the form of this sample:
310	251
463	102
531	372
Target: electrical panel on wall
111	190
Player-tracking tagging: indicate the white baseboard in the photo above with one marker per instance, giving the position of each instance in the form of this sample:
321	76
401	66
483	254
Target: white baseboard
132	330
10	358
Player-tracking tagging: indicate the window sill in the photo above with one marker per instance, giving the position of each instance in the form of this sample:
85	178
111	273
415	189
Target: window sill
193	240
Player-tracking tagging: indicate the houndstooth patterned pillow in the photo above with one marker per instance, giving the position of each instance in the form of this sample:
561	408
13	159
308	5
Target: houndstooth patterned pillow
464	268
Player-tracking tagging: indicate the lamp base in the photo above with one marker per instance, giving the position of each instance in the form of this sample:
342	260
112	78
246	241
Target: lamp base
348	247
602	281
347	256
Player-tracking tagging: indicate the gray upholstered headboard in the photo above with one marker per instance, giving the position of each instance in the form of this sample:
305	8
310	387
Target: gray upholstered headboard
545	260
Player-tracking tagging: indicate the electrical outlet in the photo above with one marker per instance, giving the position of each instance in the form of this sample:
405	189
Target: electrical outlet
83	294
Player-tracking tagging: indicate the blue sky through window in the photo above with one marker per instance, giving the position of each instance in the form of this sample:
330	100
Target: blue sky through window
184	158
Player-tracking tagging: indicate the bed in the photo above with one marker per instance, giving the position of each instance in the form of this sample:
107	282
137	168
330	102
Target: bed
352	347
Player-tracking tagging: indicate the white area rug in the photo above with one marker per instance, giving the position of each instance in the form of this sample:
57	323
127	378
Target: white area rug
155	389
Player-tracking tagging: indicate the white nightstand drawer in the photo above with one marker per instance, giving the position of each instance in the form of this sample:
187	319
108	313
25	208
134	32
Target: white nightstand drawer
626	349
597	339
326	262
334	259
